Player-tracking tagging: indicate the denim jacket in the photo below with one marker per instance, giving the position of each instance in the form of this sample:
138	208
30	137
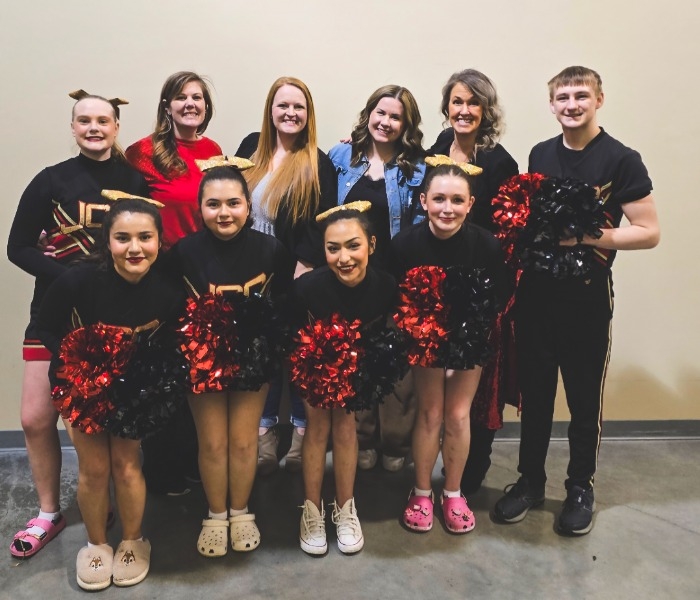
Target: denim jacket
399	190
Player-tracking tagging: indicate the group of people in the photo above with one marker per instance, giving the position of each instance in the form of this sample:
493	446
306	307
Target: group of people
337	247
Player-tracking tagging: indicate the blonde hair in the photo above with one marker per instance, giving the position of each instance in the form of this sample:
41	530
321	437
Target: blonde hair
576	76
295	181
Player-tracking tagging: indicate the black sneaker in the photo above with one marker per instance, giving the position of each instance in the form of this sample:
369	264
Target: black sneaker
576	516
520	497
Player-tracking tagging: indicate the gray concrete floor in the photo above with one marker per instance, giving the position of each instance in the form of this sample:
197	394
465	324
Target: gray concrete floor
645	543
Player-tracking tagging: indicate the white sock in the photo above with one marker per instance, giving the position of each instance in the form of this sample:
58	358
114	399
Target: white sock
218	516
237	513
449	494
424	493
35	529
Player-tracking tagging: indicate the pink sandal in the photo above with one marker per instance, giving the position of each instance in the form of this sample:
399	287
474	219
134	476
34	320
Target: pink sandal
418	514
27	544
458	517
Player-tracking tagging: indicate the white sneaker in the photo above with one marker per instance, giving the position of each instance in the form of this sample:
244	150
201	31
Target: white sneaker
366	459
348	529
267	452
392	463
293	461
312	529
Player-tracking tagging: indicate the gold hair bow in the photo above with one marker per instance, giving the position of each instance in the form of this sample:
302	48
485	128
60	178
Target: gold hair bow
358	205
224	161
115	102
116	195
441	159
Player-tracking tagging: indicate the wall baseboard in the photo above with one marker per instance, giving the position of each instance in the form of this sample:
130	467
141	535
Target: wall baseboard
680	429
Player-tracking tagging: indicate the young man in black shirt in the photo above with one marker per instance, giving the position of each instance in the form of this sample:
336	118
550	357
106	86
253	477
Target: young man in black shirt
565	324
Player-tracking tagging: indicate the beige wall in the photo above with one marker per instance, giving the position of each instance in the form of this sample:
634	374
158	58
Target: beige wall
647	53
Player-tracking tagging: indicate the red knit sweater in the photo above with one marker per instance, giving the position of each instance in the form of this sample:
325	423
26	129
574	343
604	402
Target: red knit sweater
181	215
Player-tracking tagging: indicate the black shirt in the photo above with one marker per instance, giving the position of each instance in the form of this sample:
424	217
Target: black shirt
472	247
367	188
320	294
250	262
614	170
87	293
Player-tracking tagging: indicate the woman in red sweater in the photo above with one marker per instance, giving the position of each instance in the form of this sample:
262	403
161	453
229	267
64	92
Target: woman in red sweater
166	158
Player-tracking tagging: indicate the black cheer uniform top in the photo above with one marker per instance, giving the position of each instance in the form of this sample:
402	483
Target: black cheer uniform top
615	171
302	240
64	200
498	166
249	262
319	293
472	247
89	293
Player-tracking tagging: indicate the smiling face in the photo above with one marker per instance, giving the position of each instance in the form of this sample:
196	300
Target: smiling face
447	201
133	243
347	250
225	208
187	110
464	110
386	121
94	127
575	106
289	111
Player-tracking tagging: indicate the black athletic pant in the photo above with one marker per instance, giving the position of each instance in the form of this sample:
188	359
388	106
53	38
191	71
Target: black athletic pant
562	325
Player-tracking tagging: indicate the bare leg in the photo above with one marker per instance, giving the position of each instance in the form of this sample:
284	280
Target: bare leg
459	392
39	417
313	451
210	412
430	391
344	454
129	485
93	482
244	413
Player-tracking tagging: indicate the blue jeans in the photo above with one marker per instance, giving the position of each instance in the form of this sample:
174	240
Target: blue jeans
271	412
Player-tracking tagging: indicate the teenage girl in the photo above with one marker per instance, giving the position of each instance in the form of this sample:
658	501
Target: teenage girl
445	394
229	258
346	288
64	201
122	290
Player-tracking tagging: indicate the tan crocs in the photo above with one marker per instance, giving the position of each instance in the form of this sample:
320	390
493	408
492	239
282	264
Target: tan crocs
213	539
245	535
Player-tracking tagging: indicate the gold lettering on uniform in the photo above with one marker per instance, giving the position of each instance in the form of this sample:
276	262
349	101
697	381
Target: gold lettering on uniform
241	289
603	192
89	208
85	217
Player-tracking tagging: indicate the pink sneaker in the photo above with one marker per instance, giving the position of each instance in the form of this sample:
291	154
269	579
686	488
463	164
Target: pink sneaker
418	514
458	517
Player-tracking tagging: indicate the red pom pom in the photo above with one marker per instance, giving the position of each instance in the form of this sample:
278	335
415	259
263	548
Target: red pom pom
512	209
211	337
324	361
422	313
93	356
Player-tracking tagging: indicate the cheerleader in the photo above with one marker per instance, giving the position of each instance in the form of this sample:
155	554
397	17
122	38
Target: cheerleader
445	383
64	201
228	268
343	301
124	291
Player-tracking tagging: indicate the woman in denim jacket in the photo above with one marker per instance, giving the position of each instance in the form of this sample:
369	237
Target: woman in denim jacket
384	164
